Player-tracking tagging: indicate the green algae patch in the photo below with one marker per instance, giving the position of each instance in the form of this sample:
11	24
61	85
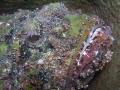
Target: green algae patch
1	85
34	58
74	33
80	24
63	34
3	48
4	30
29	87
31	72
15	45
58	29
3	67
55	4
85	32
76	22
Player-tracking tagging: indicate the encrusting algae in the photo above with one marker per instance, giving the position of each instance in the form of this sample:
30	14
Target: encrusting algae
53	49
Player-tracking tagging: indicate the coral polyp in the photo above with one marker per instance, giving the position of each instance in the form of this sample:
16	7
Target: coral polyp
52	49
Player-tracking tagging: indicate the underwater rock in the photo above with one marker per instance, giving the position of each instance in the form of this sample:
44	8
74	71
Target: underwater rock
54	49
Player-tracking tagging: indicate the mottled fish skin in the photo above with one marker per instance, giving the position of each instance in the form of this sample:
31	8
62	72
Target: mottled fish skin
109	11
75	62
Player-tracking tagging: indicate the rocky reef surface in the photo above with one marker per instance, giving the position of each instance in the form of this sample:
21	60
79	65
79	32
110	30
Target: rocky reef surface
52	48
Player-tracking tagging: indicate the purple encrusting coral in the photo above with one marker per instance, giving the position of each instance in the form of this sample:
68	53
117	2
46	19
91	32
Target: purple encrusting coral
52	49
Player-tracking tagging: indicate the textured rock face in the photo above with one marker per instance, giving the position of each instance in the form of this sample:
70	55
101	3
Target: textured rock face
108	11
